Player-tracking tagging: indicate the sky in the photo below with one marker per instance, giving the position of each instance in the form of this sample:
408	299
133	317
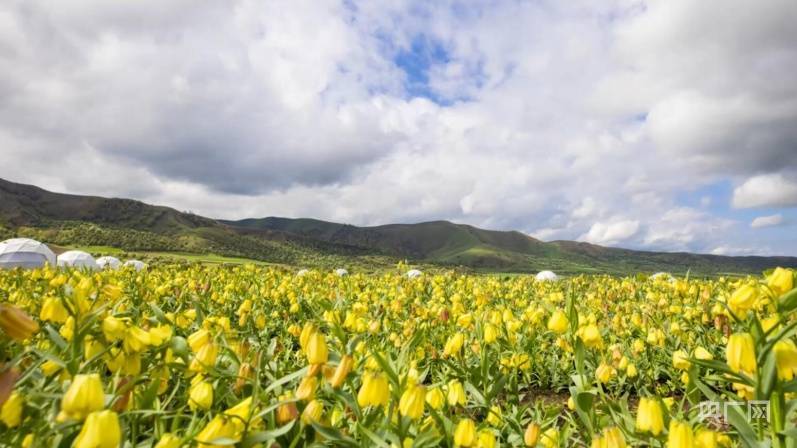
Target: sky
662	125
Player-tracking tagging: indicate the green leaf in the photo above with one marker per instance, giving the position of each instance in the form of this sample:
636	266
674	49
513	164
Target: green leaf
286	379
378	441
263	436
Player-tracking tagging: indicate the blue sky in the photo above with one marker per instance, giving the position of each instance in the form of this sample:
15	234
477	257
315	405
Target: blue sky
641	124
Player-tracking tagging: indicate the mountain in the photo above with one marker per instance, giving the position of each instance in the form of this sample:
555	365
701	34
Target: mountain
27	210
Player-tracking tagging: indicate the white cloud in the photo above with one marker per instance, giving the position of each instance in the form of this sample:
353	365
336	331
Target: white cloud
769	190
767	221
611	233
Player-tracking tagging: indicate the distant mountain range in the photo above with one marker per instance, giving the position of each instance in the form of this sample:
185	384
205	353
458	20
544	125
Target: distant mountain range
73	220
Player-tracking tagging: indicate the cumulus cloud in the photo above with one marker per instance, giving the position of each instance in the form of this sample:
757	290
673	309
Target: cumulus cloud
767	221
559	119
766	190
611	233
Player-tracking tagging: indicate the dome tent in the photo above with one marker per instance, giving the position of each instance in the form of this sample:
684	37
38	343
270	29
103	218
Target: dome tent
136	264
109	262
340	272
414	273
77	259
25	253
663	276
302	272
546	276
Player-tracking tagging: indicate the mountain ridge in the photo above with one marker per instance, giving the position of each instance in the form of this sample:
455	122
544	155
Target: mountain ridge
135	225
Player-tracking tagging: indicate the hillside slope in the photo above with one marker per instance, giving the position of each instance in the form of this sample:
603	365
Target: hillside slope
26	210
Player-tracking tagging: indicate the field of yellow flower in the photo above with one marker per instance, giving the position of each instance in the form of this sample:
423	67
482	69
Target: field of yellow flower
196	355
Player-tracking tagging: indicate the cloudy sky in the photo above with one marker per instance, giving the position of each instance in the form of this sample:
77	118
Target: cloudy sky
665	124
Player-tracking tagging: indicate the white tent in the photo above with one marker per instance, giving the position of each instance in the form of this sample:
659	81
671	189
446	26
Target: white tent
413	273
109	262
546	276
77	259
136	264
341	272
662	276
302	272
26	253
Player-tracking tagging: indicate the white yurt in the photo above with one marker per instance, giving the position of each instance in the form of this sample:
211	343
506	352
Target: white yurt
77	259
136	264
109	262
546	276
302	272
25	253
414	273
340	272
662	276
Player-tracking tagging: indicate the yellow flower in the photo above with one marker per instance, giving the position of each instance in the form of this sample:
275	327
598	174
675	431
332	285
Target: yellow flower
604	373
613	438
532	434
456	393
168	440
680	435
11	412
317	349
220	427
590	335
465	433
205	357
136	340
780	281
100	430
374	390
84	396
558	323
486	439
744	298
342	371
490	333
495	416
16	323
286	412
308	330
160	334
435	398
454	345
312	412
740	353
786	359
706	438
703	354
412	402
679	360
114	329
550	438
198	339
631	371
649	417
306	389
200	395
53	310
27	442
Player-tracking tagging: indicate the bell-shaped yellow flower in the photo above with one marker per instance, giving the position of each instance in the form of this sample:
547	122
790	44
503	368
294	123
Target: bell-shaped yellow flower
613	438
200	395
780	281
679	360
454	345
16	323
649	417
374	390
412	402
786	359
435	398
11	412
220	427
744	298
706	438
317	349
532	434
680	435
342	371
113	328
558	323
306	389
312	412
590	335
465	433
490	333
84	396
100	430
486	439
740	353
53	310
168	440
456	393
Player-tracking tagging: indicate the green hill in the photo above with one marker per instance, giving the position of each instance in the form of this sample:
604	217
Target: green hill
72	220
